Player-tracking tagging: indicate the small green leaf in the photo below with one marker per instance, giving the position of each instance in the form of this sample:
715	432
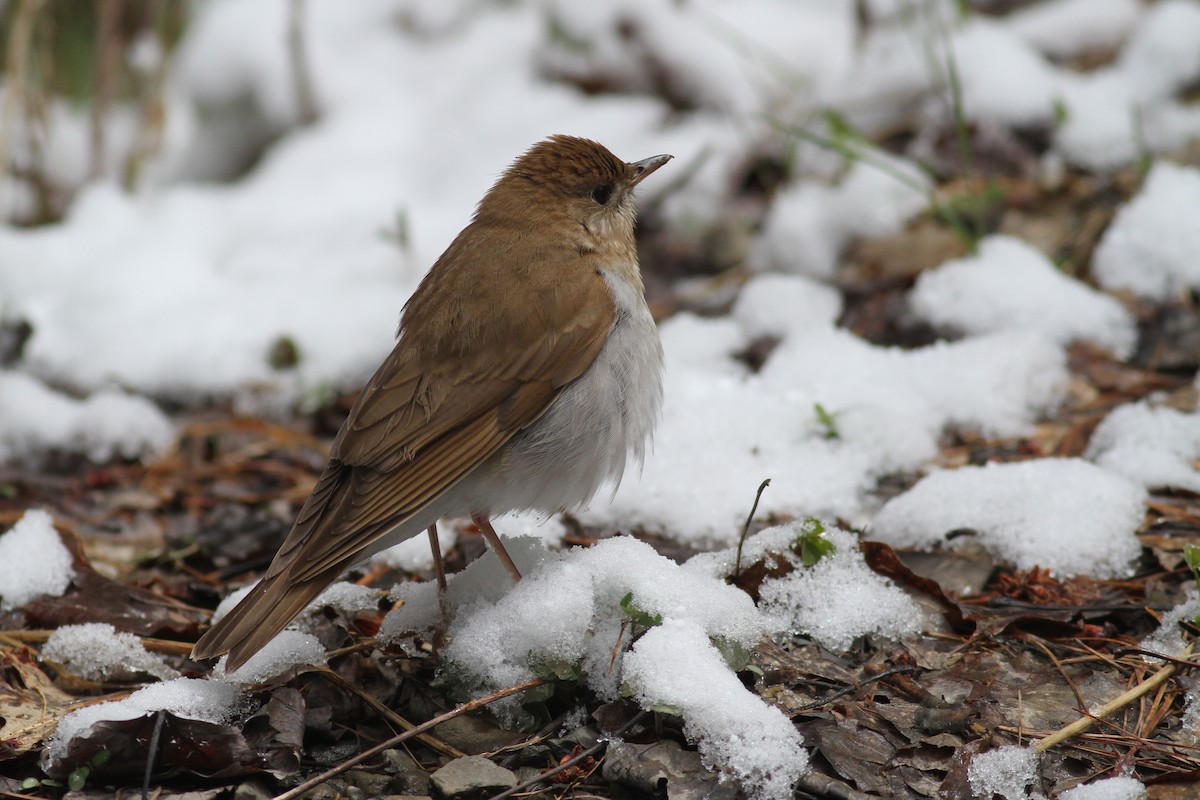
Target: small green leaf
663	708
812	542
756	669
1061	113
552	670
1191	556
559	34
30	783
78	778
638	615
538	694
101	758
827	420
283	353
736	656
842	134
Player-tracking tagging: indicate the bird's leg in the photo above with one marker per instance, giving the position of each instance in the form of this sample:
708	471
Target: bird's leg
437	558
489	533
439	634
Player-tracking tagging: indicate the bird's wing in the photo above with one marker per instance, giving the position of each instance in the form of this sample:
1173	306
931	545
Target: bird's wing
415	432
434	411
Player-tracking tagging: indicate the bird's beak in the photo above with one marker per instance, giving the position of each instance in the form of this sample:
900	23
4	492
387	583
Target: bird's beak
644	167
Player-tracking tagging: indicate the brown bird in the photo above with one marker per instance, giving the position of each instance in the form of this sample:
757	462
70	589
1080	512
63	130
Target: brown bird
526	367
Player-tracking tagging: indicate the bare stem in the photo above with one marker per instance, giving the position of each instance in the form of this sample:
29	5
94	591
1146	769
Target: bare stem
306	98
1083	723
15	85
737	564
465	708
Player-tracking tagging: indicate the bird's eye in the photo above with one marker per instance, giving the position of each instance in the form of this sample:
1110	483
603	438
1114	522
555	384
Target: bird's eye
602	193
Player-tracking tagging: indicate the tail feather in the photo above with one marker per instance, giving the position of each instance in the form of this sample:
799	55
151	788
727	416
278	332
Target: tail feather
258	618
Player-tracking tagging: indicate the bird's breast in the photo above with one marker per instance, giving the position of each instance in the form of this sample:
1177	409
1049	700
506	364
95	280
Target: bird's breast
586	435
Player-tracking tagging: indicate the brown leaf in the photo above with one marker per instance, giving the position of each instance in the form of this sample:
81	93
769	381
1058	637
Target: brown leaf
95	598
185	746
30	704
883	559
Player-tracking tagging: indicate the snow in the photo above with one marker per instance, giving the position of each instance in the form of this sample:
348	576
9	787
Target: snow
764	424
809	223
288	650
1010	286
1116	114
1150	247
571	611
1153	446
484	580
1065	515
568	610
97	651
835	601
1067	28
108	424
176	291
348	598
1121	787
1006	771
733	728
1168	638
34	562
191	698
1022	94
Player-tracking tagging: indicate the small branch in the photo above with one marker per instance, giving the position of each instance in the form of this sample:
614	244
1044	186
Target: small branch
108	54
16	85
1061	670
813	706
306	100
385	712
20	796
1182	663
820	785
160	719
737	564
465	708
1083	723
586	754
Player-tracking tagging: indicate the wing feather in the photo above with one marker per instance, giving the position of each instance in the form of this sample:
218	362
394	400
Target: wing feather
438	407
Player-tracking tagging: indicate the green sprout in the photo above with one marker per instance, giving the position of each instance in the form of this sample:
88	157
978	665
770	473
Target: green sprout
812	542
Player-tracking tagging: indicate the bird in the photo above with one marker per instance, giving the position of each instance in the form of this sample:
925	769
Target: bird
526	370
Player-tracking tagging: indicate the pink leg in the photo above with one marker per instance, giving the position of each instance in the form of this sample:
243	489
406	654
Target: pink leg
489	533
439	633
437	558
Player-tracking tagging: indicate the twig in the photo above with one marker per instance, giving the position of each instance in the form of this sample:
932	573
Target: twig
1083	723
385	712
737	564
465	708
1061	671
302	84
887	673
20	796
160	718
1182	663
15	84
586	754
108	53
825	786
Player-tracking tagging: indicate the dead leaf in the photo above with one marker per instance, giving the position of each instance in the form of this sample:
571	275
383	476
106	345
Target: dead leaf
30	704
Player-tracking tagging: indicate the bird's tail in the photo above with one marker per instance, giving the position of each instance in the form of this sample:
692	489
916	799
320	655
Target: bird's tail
261	615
